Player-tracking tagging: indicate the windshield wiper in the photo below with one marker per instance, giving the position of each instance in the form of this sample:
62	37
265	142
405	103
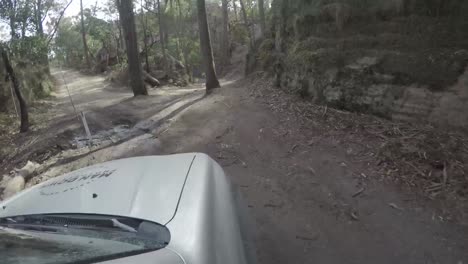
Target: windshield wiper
52	226
123	226
90	222
29	227
75	223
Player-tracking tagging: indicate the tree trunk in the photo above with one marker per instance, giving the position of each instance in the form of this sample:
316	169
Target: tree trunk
24	18
83	36
38	19
180	56
144	23
161	35
205	46
225	45
16	85
279	20
127	19
187	66
181	43
121	39
235	9
261	12
247	24
13	27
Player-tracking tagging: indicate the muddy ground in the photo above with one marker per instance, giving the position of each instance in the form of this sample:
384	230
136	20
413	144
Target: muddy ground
317	196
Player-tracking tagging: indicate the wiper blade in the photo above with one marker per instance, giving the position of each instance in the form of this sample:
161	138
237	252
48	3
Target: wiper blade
32	227
77	222
70	229
114	225
123	226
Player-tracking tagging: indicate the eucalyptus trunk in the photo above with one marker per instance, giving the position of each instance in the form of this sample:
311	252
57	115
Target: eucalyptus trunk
234	5
144	23
225	45
38	19
127	19
205	46
162	35
261	12
247	24
83	37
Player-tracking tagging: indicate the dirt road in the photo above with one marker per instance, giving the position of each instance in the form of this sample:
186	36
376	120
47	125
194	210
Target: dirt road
312	196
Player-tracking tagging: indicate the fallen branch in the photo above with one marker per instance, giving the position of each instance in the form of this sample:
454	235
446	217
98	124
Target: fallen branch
445	175
150	79
325	111
394	206
416	168
359	192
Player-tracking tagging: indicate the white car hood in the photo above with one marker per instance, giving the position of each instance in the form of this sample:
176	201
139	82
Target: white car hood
144	187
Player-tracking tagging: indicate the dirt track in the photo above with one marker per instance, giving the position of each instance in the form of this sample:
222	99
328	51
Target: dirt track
311	198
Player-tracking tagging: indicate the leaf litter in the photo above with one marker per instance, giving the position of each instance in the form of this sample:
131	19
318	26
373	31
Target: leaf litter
421	158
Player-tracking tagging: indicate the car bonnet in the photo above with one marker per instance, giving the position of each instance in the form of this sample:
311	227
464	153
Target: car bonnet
144	187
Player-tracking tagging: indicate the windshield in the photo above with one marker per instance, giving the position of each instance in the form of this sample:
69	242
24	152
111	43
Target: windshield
76	238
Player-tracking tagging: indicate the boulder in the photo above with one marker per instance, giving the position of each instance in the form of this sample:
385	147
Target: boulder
13	186
28	170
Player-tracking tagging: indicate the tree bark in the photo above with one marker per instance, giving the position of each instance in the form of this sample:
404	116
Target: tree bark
121	39
247	24
144	23
261	12
24	19
12	9
179	32
38	19
279	20
127	19
83	36
24	127
225	45
161	35
205	46
235	9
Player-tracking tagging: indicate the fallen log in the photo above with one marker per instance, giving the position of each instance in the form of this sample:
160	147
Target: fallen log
150	79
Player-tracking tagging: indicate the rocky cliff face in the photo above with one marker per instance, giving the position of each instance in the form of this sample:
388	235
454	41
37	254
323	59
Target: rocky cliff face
364	86
409	68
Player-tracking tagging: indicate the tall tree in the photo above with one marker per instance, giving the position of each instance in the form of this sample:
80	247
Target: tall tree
24	127
127	19
161	34
83	36
247	24
261	12
39	17
25	17
225	44
205	46
41	10
144	25
234	5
